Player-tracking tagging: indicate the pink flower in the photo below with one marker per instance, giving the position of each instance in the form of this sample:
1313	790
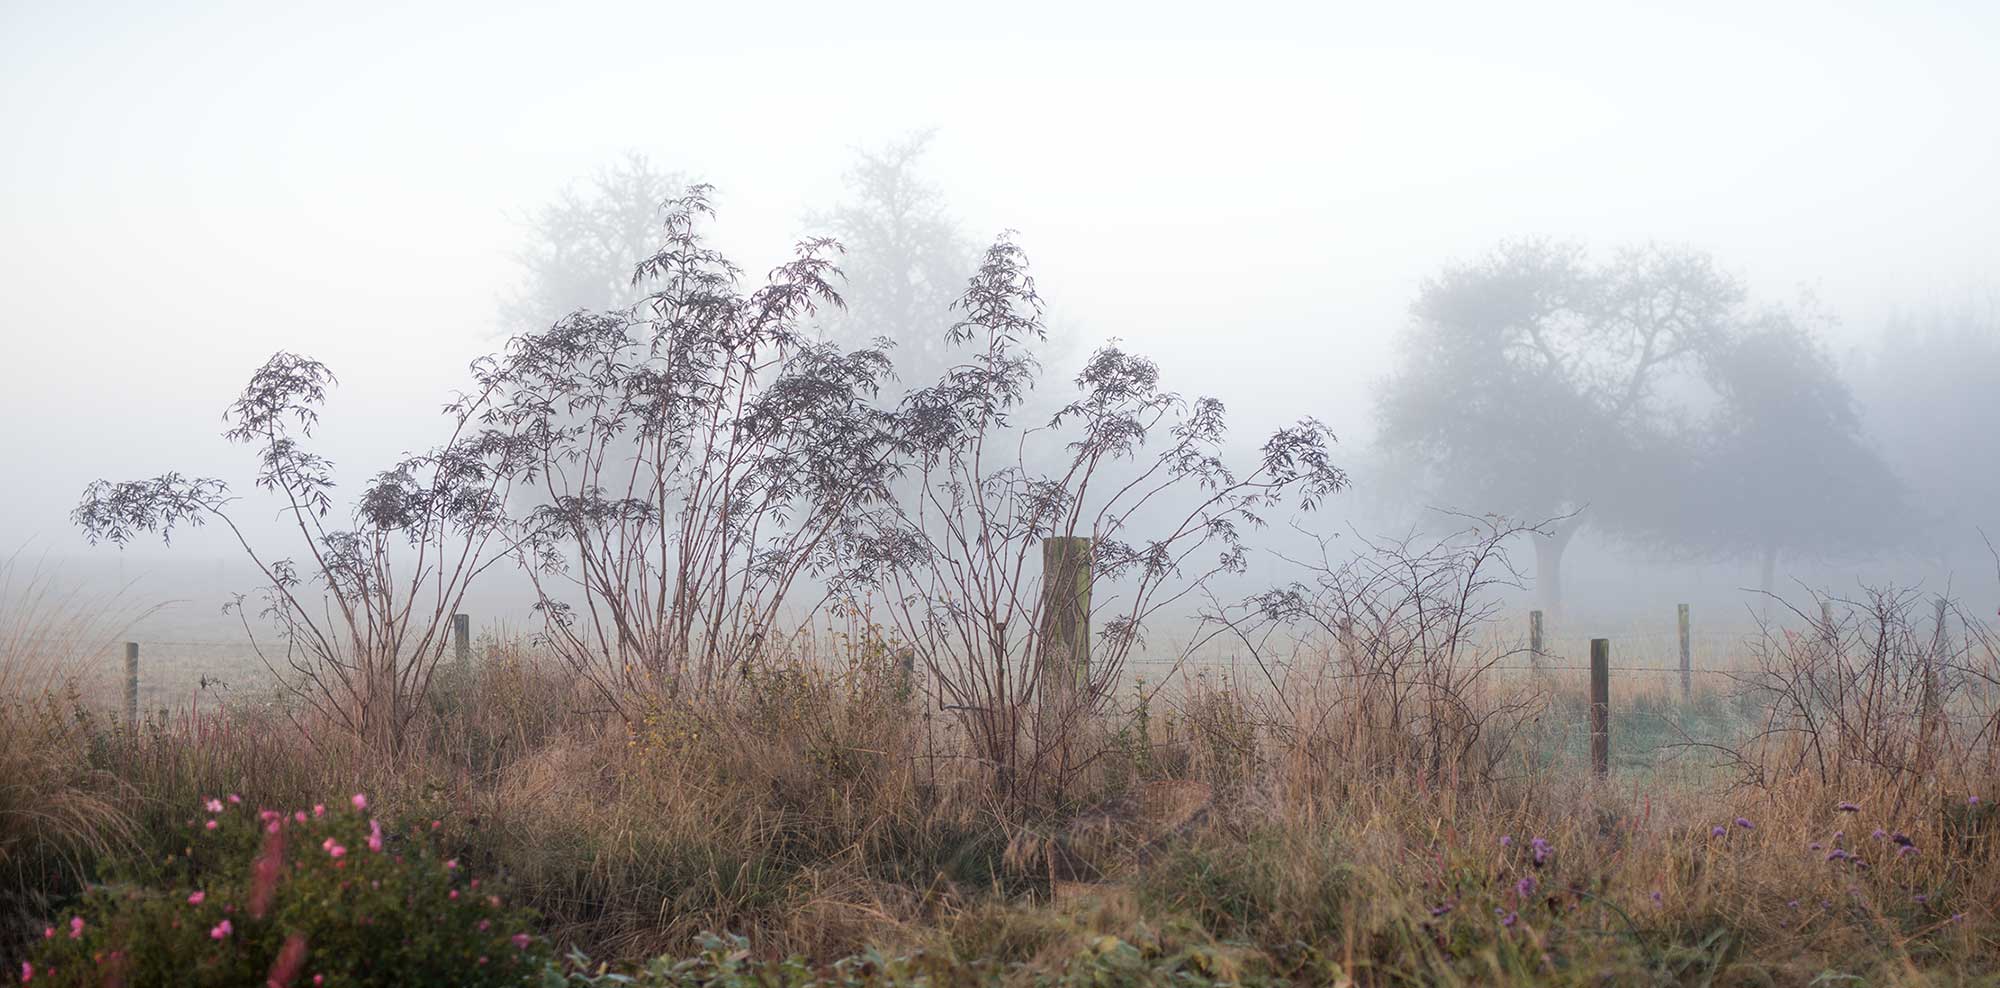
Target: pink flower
375	836
337	851
319	809
485	924
289	960
299	816
48	933
360	801
233	798
439	823
213	805
453	894
75	927
195	898
27	972
451	865
521	940
210	825
319	979
221	931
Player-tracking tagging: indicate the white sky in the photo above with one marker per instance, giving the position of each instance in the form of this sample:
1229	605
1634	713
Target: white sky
1250	194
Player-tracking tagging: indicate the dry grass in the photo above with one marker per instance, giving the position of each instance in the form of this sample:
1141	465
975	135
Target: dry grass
58	813
814	805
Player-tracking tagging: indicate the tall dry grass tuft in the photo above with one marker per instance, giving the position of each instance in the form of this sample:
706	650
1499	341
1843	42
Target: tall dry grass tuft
59	814
793	803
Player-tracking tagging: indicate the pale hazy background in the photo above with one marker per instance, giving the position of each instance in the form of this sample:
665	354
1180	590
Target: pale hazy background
1248	193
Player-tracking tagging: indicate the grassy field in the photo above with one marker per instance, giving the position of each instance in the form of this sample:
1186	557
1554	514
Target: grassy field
817	821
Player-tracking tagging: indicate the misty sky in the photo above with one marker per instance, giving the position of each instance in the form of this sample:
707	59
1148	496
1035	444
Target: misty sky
1249	194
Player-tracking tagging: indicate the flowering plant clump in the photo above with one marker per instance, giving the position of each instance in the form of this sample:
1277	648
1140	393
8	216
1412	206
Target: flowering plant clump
320	897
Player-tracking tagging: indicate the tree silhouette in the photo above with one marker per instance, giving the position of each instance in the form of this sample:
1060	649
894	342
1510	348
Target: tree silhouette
906	260
581	247
1782	468
1535	384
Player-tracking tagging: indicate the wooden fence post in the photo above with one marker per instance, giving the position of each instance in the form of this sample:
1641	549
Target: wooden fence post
1535	640
1687	655
461	635
132	687
1600	707
1065	631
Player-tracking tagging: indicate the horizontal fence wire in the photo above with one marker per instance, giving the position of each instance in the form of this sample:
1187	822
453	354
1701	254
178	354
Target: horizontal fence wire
233	665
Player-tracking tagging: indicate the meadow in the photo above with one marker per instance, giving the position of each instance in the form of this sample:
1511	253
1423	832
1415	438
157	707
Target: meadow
1818	811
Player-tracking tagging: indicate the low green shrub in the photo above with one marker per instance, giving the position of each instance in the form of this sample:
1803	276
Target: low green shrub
320	897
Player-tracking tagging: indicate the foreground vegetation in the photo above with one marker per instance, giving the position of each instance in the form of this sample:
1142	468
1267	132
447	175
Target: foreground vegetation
813	823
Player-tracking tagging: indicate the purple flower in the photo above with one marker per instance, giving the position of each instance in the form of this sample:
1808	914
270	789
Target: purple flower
1972	800
1814	846
1440	910
1655	897
1846	807
1525	887
1506	840
1879	834
1509	919
1837	855
1794	904
1716	831
1905	851
1920	898
1745	823
1541	849
1902	840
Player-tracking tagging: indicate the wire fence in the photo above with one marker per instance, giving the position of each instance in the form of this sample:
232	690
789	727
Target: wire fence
177	669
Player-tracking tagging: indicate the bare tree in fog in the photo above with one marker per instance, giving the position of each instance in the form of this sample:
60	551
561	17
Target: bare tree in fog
693	459
1136	469
580	248
363	611
1532	383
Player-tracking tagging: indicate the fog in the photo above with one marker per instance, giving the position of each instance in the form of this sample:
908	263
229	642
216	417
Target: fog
1252	196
